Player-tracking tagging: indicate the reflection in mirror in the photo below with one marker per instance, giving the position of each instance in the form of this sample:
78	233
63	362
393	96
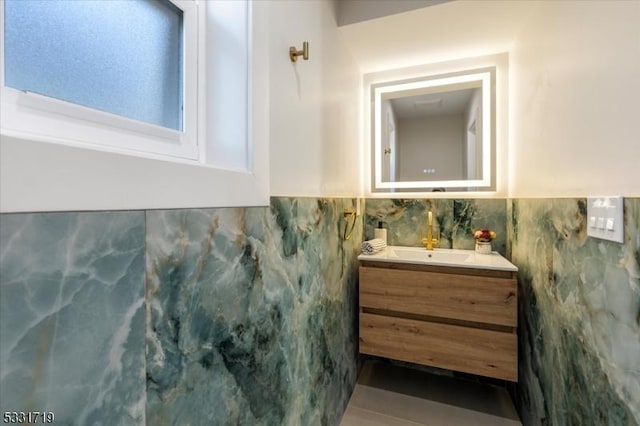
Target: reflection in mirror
434	133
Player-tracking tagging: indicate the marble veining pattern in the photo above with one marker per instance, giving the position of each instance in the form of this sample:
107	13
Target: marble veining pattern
406	220
72	316
579	316
251	314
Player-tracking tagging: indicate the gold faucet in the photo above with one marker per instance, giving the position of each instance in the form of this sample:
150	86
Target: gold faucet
430	240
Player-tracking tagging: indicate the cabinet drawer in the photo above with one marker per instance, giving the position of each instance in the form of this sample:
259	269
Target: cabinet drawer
481	299
470	350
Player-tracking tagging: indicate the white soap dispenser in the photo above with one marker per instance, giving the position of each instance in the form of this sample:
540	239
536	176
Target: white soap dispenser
380	232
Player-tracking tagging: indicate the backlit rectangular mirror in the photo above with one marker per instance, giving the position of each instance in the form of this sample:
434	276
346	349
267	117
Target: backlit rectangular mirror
434	133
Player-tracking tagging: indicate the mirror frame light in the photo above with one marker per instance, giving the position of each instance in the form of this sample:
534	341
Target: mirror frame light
485	79
497	65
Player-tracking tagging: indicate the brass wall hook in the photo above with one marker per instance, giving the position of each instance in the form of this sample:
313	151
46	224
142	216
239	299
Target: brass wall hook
349	214
294	53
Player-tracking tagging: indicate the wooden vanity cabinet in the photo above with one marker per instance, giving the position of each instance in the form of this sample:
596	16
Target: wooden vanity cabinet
459	319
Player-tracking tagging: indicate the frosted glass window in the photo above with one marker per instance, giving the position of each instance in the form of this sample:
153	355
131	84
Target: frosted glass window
118	56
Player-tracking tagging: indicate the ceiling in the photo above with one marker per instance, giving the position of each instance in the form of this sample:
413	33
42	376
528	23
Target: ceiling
352	11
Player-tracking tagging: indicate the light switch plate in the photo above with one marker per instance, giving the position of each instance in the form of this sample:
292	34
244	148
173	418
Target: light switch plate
606	218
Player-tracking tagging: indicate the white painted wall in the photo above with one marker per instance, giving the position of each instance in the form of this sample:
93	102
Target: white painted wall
431	143
575	85
315	110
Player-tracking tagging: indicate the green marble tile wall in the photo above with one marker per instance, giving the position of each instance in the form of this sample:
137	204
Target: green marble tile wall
250	315
72	317
579	315
406	220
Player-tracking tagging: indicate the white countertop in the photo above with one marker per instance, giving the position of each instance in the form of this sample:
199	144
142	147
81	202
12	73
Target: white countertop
441	257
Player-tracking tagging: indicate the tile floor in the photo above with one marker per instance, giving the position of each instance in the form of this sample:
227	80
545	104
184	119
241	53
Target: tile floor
390	395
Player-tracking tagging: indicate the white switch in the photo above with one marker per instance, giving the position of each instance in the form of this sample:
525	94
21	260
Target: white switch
605	218
609	224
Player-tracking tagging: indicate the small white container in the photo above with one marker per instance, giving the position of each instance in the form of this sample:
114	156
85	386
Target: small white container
483	247
380	233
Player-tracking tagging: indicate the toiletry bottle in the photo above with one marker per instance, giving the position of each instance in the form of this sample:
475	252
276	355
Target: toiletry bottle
380	232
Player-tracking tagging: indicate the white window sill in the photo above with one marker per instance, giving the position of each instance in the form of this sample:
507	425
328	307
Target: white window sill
43	176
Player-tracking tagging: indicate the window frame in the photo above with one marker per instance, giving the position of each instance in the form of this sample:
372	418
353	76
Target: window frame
77	125
44	173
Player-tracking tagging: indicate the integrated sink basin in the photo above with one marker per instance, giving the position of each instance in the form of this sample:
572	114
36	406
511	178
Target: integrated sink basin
446	256
442	257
